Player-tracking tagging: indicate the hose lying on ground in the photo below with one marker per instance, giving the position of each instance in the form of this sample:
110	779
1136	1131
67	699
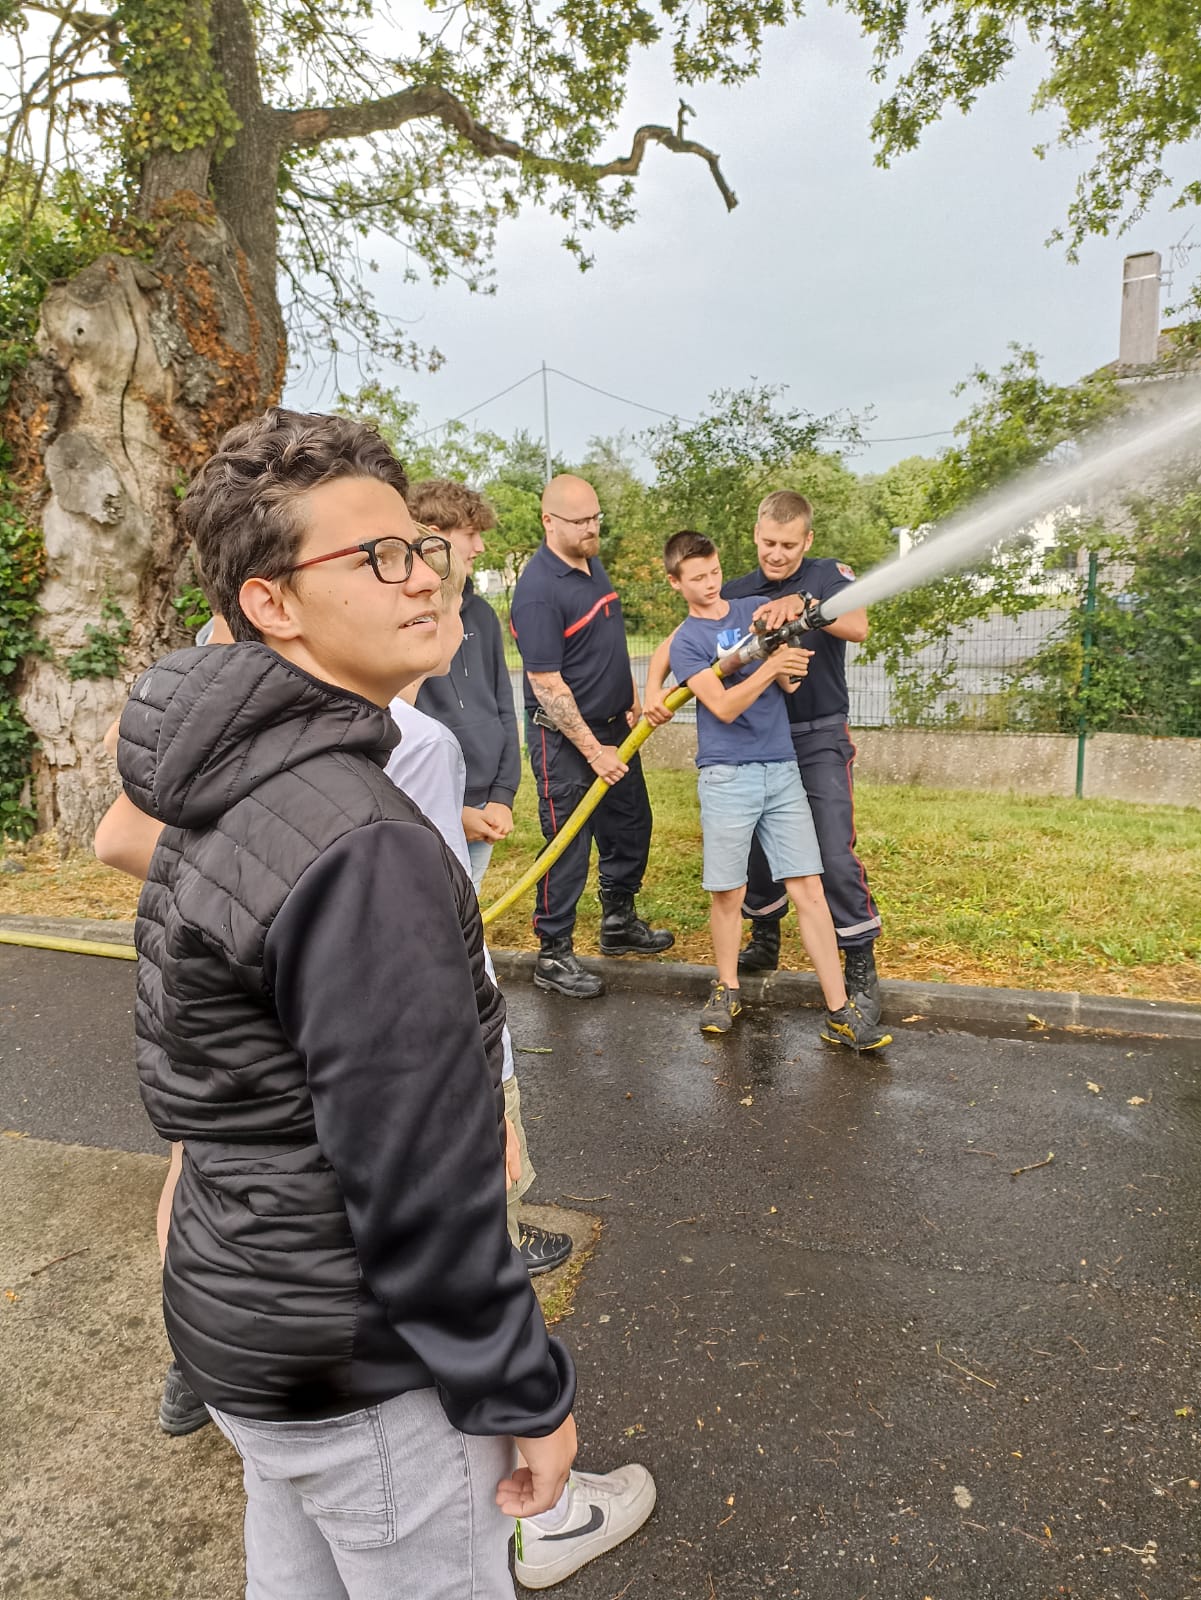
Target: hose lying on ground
75	947
754	646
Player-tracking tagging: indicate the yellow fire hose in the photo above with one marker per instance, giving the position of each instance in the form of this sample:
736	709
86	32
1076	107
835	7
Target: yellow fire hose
635	739
74	947
753	646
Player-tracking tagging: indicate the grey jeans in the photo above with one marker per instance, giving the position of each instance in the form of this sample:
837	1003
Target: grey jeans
390	1503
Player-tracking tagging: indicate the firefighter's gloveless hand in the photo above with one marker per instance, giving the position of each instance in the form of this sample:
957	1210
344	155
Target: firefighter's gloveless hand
607	764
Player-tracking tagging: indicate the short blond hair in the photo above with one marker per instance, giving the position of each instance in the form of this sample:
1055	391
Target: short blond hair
785	505
455	581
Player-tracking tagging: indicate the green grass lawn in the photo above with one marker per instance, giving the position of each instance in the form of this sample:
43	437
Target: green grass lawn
974	888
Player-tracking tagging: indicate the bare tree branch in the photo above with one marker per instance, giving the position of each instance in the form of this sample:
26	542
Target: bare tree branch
87	21
314	125
62	84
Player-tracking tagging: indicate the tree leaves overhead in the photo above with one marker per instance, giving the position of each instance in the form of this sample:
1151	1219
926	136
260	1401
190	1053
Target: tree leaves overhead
427	124
1125	76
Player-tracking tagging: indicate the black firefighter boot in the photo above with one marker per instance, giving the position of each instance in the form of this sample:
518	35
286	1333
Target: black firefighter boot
763	952
558	968
863	986
622	930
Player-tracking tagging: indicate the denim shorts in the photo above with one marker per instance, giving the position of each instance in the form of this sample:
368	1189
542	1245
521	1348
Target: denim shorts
757	797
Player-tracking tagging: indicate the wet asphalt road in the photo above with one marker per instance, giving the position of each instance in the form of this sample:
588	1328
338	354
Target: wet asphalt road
860	1356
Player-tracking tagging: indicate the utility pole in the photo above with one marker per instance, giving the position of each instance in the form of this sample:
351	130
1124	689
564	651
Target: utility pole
546	423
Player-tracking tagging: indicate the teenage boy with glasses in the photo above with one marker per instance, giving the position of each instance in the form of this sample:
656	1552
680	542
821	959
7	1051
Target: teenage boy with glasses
339	1284
581	701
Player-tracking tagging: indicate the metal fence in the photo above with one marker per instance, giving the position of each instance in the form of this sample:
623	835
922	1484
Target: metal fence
1072	663
983	675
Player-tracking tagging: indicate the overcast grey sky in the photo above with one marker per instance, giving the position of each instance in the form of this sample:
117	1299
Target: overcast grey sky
852	285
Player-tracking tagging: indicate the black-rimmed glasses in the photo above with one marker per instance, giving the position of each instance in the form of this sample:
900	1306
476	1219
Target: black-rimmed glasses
391	557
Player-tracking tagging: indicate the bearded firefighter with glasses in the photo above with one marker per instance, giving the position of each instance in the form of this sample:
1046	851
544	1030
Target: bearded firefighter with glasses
580	702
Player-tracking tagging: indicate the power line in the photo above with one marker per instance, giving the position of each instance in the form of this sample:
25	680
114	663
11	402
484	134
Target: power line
903	438
674	416
609	395
898	438
480	405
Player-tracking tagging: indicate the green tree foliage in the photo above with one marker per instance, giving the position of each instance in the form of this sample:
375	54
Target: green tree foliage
712	474
900	495
1016	418
1125	78
322	123
48	230
22	567
1142	644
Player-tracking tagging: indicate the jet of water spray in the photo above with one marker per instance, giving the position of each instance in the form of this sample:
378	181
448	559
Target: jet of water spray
1123	455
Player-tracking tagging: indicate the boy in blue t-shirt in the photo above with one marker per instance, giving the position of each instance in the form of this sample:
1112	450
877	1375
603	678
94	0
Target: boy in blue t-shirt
749	785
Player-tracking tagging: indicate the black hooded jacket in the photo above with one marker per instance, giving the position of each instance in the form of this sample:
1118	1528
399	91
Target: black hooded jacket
314	1021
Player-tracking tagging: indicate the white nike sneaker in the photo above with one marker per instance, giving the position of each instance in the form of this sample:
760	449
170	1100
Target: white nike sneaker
602	1510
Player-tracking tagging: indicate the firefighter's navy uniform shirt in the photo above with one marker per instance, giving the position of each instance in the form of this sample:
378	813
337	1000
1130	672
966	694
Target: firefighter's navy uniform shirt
823	691
569	621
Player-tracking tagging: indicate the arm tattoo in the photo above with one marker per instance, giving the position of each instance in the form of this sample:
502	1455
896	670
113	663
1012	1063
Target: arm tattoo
557	700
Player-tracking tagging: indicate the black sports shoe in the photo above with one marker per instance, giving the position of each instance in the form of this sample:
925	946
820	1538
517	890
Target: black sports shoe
180	1411
863	985
720	1009
762	954
851	1029
622	930
558	968
541	1250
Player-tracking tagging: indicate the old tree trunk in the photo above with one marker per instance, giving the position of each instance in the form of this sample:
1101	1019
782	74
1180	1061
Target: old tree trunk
142	365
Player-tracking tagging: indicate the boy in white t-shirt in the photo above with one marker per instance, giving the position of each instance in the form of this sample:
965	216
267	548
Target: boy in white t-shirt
428	765
596	1511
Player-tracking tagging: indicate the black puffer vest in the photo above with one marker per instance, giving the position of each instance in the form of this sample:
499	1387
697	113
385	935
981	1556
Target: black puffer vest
315	1023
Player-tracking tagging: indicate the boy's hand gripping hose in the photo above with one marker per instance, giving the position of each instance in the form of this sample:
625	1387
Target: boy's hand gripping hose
754	646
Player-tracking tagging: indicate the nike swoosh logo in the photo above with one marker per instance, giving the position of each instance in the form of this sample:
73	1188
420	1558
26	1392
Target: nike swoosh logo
595	1519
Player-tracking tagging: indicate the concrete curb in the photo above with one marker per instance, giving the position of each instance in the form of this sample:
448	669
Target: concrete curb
943	1004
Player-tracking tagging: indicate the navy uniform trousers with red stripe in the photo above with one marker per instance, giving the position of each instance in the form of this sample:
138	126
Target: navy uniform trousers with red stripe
826	758
621	824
